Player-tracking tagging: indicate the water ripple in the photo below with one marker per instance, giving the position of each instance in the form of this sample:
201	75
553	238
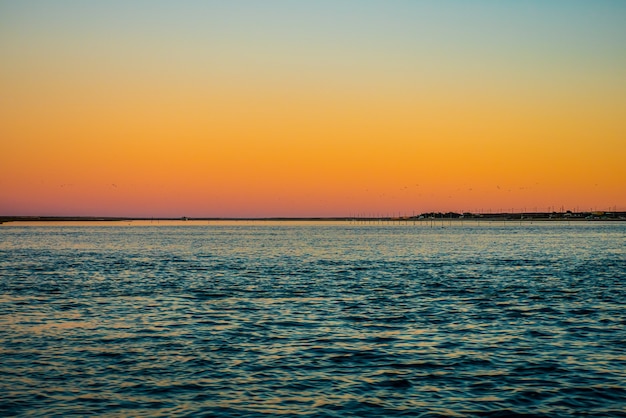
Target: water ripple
316	320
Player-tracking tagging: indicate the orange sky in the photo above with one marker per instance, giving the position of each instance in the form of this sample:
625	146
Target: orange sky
282	111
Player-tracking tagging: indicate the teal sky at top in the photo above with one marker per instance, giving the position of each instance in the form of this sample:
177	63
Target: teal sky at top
367	44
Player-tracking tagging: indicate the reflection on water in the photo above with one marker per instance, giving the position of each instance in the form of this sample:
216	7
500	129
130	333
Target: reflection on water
313	319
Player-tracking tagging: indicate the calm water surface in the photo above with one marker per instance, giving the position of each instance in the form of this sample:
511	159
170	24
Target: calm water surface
265	319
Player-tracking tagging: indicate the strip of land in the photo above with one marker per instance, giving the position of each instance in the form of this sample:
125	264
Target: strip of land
503	216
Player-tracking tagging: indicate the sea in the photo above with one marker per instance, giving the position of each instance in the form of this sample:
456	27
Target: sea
313	319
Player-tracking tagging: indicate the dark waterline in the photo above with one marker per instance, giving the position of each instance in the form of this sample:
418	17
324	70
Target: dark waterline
313	320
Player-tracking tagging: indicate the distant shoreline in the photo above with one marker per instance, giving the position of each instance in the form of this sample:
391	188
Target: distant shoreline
450	216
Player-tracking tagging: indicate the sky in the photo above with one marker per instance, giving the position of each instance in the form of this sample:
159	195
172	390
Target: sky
247	108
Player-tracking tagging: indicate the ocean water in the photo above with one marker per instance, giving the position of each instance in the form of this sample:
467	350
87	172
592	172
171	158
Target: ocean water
247	319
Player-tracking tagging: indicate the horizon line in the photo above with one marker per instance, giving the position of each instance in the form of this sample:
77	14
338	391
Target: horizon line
422	216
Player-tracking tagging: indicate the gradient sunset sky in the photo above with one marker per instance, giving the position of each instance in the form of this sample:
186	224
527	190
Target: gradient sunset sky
311	108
